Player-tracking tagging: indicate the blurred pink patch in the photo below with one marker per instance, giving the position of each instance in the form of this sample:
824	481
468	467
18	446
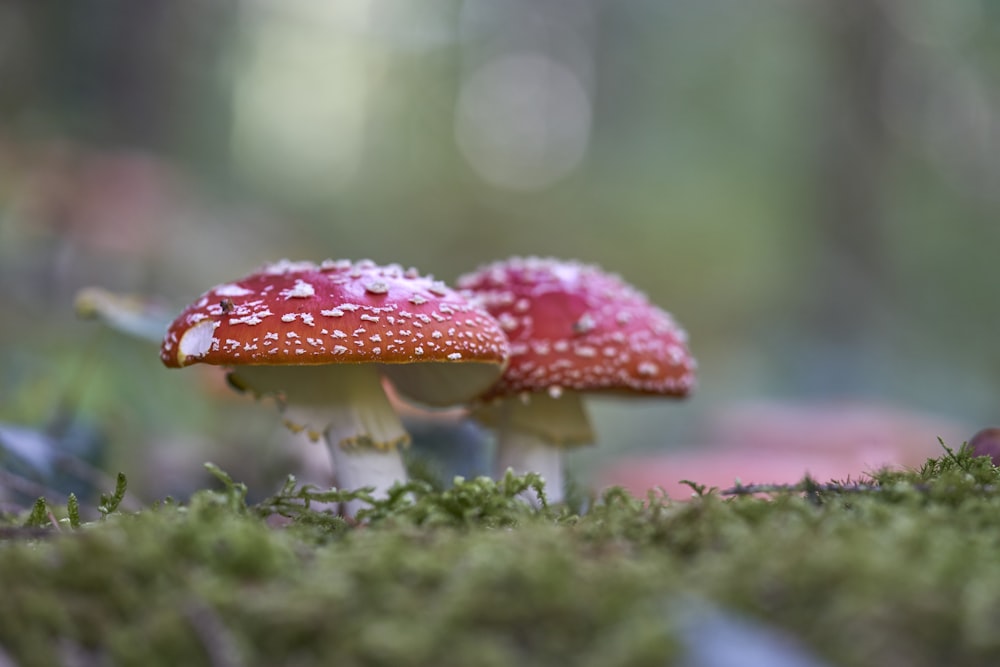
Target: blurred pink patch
771	442
107	201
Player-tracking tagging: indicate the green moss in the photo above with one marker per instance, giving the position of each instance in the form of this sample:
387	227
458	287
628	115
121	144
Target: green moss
900	568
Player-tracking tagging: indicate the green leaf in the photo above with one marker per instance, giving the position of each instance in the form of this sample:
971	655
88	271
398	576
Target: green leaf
73	511
235	493
39	516
109	504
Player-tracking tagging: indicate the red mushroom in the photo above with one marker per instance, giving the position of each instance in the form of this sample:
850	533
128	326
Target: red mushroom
317	336
986	442
573	329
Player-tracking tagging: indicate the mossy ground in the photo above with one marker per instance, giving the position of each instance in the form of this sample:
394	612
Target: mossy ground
901	570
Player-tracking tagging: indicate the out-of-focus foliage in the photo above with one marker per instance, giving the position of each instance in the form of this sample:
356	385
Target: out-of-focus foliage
810	187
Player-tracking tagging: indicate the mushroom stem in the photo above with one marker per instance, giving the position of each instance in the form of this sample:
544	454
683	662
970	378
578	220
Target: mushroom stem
364	436
523	452
348	408
556	418
359	467
359	415
534	431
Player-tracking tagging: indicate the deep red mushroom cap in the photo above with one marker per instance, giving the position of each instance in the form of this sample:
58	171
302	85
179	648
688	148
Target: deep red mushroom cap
300	313
986	443
574	326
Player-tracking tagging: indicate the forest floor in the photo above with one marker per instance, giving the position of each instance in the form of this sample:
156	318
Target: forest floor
895	568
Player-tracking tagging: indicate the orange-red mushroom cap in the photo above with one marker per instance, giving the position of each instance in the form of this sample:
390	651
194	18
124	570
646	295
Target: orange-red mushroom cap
573	326
301	313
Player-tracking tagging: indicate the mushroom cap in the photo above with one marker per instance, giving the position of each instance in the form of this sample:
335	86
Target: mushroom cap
574	326
337	312
986	442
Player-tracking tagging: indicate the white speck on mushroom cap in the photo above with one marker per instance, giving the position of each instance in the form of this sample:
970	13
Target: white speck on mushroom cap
231	290
198	340
282	302
575	326
300	290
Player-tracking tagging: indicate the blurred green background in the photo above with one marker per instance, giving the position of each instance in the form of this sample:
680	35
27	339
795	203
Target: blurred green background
812	188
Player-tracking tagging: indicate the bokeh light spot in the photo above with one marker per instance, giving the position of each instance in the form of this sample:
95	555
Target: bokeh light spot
523	121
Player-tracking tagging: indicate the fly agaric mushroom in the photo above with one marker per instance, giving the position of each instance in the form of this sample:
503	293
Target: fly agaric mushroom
573	329
317	337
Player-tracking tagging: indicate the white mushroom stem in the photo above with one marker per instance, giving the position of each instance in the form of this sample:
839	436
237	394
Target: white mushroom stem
522	453
365	466
347	407
532	434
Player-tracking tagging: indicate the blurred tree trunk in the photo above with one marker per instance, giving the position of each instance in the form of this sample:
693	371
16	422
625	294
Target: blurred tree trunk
120	73
850	283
